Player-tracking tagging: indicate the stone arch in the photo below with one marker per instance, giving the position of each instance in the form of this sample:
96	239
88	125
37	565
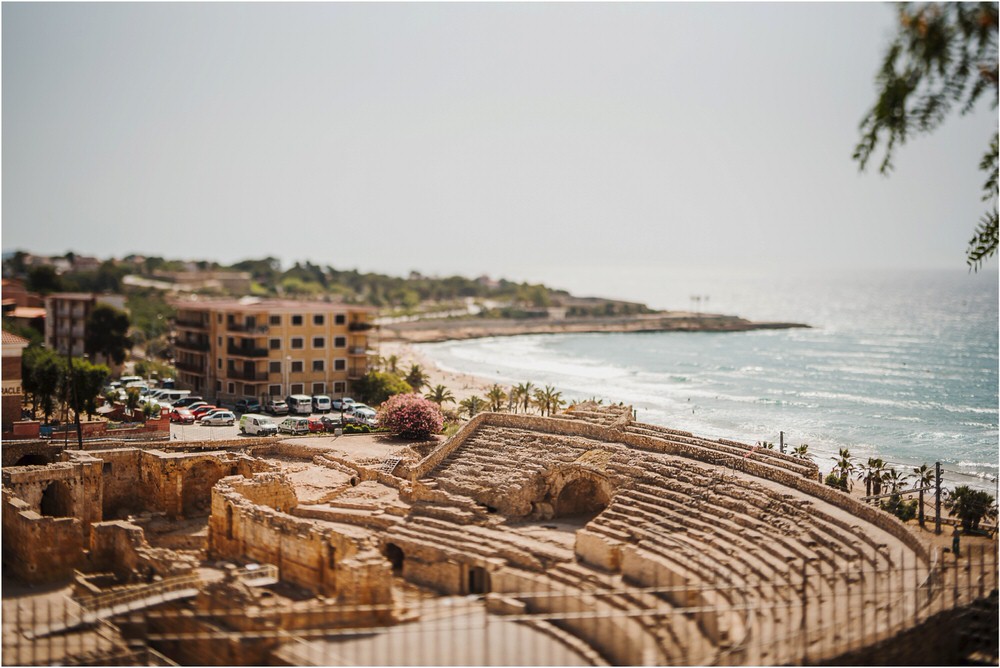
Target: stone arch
196	490
57	500
581	496
395	555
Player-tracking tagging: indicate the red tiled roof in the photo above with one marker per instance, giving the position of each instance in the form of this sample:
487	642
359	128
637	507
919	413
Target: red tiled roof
14	339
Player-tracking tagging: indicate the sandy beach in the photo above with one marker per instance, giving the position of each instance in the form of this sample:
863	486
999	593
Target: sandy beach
462	385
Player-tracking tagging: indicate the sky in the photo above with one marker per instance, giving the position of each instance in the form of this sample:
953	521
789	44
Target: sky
526	140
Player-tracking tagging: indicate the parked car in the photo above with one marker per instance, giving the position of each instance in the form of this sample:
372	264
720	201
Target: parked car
201	410
300	404
316	423
294	425
248	405
331	424
276	407
322	403
196	405
227	418
359	418
361	410
257	424
212	412
341	404
188	401
181	416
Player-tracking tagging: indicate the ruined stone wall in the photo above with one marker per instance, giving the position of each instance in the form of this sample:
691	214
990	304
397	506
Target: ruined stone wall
120	547
65	489
124	489
246	525
39	549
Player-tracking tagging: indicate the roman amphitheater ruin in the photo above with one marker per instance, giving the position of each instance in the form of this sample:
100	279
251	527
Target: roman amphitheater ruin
585	538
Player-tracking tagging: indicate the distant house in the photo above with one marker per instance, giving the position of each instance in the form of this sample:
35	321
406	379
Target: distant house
236	282
66	316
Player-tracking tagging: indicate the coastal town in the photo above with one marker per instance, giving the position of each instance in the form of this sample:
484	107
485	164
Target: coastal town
249	466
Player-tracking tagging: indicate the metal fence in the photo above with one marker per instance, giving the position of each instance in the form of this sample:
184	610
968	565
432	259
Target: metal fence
818	612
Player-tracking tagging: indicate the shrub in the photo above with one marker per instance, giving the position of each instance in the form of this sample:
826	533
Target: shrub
377	386
410	416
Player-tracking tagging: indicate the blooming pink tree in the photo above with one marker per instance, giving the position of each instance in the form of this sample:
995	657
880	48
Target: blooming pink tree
410	416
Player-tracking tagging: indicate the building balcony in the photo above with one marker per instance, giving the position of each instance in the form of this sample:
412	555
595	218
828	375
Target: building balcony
357	351
190	367
197	346
361	326
246	351
190	324
356	372
256	376
243	329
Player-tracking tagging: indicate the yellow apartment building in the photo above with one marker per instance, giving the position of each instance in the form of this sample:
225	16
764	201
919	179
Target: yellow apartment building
226	350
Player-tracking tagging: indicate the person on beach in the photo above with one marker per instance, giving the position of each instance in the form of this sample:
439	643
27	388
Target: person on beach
955	543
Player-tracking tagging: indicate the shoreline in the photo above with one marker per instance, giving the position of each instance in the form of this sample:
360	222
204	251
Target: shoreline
459	329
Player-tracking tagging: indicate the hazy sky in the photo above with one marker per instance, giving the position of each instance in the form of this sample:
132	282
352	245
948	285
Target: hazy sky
510	139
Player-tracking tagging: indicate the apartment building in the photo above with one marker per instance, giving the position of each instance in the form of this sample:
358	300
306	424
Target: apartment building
231	349
66	316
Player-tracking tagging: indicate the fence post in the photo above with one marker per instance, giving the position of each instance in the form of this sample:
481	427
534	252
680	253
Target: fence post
937	498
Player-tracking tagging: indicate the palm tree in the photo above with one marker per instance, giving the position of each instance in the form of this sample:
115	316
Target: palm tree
896	481
801	451
496	397
471	405
866	472
970	506
440	394
924	477
548	400
845	466
416	377
525	391
392	362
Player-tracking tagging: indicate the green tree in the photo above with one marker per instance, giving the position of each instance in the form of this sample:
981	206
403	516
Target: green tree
43	280
42	373
86	382
440	394
801	451
496	397
970	506
377	386
107	333
943	54
392	364
471	406
923	477
548	400
525	392
131	399
416	377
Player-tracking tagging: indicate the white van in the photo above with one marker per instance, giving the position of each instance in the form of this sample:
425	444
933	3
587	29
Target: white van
299	403
257	424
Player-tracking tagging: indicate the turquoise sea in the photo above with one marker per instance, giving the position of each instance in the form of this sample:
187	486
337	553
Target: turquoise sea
900	365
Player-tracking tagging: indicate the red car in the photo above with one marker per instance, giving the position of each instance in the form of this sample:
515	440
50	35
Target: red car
316	424
182	415
201	410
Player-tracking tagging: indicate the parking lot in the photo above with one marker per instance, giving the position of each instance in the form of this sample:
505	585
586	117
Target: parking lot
198	432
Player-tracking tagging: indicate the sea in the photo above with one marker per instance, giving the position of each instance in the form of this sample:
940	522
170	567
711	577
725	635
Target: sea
900	364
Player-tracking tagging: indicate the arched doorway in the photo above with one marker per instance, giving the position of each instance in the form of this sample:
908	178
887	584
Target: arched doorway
479	580
57	500
581	497
33	460
395	556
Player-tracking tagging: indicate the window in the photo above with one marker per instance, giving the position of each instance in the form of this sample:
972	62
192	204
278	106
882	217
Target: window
218	318
274	344
319	388
274	367
297	366
319	342
340	319
296	388
296	319
275	320
218	386
220	341
339	387
318	319
318	365
219	363
339	365
298	343
232	388
274	390
340	342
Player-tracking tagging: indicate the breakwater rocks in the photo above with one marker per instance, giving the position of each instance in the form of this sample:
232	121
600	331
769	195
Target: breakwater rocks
452	329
